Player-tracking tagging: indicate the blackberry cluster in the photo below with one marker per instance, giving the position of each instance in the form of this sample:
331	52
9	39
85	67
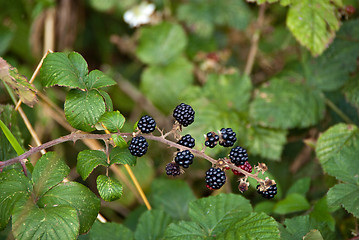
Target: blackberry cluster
187	141
211	139
238	156
246	167
227	138
215	178
146	124
173	169
138	146
270	193
184	114
184	158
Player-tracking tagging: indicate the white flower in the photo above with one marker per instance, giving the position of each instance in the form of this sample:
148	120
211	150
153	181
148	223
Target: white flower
139	14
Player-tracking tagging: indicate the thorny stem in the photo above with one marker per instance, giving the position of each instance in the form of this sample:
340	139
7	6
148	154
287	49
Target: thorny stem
80	135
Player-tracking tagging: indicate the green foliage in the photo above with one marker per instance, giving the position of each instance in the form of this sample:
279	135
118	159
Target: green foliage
110	231
113	121
294	202
109	189
88	160
121	155
151	225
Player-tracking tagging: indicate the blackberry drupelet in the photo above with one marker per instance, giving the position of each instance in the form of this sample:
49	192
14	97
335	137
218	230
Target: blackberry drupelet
184	114
187	141
215	178
138	146
211	139
184	158
173	169
246	167
146	124
269	193
238	156
227	137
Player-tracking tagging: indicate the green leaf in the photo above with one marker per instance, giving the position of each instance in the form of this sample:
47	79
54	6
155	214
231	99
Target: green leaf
14	186
122	156
83	109
302	107
264	206
52	222
110	189
75	195
254	226
109	231
345	195
152	225
108	101
294	202
113	121
351	91
215	213
162	43
119	141
334	139
313	235
49	170
184	231
88	160
300	186
313	23
172	196
164	84
11	138
321	213
97	79
25	90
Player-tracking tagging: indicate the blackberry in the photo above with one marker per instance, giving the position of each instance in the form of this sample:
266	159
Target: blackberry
184	114
215	178
269	193
211	139
146	124
184	158
238	156
173	169
187	141
246	167
228	137
138	146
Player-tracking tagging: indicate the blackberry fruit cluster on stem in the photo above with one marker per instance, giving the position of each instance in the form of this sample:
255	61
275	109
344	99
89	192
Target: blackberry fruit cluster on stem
138	146
215	178
146	124
238	156
187	141
184	158
184	114
227	137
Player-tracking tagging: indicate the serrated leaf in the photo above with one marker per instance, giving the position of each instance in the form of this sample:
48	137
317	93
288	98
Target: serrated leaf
52	222
345	195
109	231
313	235
25	91
77	196
302	107
184	231
49	170
113	121
172	196
14	186
313	23
292	203
301	186
88	160
334	139
97	79
254	226
119	141
83	109
215	213
110	189
164	84
162	43
152	225
120	155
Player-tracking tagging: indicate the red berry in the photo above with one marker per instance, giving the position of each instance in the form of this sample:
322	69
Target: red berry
350	10
246	167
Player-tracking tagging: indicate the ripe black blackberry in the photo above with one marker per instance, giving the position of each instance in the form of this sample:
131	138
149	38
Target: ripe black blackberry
227	137
269	193
184	158
246	167
211	139
173	169
138	146
187	141
184	114
215	178
146	124
238	156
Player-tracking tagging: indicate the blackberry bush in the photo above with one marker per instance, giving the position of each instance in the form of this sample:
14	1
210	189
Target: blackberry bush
187	141
227	137
184	114
184	158
215	178
138	146
146	124
238	156
211	139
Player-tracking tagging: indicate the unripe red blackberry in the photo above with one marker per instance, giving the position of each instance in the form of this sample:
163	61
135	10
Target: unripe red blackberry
211	139
138	146
215	178
146	124
246	167
173	169
184	158
187	141
184	114
269	193
238	156
227	137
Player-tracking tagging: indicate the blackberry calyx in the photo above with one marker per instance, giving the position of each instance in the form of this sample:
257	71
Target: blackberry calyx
184	158
138	146
246	167
215	178
173	169
238	156
227	138
211	139
269	193
187	141
184	114
146	124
